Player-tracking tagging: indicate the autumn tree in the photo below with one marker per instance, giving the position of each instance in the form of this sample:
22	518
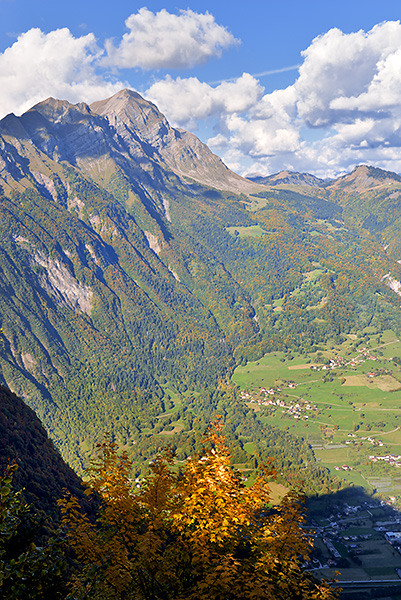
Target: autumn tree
187	534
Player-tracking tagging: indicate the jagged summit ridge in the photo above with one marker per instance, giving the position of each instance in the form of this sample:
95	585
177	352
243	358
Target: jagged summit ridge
140	117
60	111
124	125
290	178
181	151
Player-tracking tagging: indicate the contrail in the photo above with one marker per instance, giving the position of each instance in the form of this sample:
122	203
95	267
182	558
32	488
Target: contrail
273	71
262	74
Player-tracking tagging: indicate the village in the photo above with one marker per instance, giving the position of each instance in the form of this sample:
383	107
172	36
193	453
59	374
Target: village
299	407
357	538
364	354
268	397
391	459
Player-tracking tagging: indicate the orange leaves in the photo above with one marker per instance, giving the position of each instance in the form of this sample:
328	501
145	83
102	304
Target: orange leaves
215	504
188	536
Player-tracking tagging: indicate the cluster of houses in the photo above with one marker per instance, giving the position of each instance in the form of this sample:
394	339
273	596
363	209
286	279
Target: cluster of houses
364	354
334	363
349	517
340	361
391	459
369	439
264	394
266	397
332	532
262	397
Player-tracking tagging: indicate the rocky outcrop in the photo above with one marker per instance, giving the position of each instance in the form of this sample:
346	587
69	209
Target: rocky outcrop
135	119
58	281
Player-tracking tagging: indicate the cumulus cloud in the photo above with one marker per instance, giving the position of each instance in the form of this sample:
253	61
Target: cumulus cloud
56	64
169	41
345	74
348	93
349	85
188	100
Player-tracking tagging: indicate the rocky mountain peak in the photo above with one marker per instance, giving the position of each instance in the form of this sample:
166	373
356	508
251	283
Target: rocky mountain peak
125	125
289	178
135	118
364	177
60	111
130	114
127	105
59	129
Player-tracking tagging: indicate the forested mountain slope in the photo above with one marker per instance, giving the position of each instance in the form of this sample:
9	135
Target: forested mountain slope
133	261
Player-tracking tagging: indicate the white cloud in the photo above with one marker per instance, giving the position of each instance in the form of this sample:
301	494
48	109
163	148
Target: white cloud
383	92
186	101
56	64
344	73
348	89
169	41
266	137
218	143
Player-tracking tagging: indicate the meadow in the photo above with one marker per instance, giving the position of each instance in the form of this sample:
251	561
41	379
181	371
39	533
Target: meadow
345	401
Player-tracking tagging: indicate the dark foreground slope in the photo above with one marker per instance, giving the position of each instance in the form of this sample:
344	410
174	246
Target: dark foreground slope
41	473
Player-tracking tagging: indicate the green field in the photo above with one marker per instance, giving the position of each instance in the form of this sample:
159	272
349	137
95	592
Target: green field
348	410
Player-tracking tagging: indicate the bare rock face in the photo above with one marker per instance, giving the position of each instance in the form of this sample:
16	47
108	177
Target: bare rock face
134	118
61	130
130	114
58	281
153	242
123	127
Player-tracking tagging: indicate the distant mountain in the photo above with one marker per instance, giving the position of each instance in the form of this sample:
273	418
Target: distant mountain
290	178
368	197
364	178
371	199
136	270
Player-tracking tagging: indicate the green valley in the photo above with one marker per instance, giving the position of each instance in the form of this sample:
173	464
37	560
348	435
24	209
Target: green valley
344	399
145	295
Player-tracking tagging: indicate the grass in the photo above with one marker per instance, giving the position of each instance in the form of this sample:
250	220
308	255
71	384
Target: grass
348	407
277	491
250	447
385	383
314	275
341	548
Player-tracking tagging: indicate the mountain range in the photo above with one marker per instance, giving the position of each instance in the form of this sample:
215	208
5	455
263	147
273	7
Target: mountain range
136	268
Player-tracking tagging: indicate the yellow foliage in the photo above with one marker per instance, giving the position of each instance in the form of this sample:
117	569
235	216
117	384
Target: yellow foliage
197	535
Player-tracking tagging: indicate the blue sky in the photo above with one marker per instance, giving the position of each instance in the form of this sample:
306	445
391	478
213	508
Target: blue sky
305	86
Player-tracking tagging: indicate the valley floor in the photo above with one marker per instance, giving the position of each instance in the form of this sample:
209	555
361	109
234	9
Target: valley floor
345	401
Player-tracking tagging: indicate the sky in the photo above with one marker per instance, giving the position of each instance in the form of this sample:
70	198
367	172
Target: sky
303	86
